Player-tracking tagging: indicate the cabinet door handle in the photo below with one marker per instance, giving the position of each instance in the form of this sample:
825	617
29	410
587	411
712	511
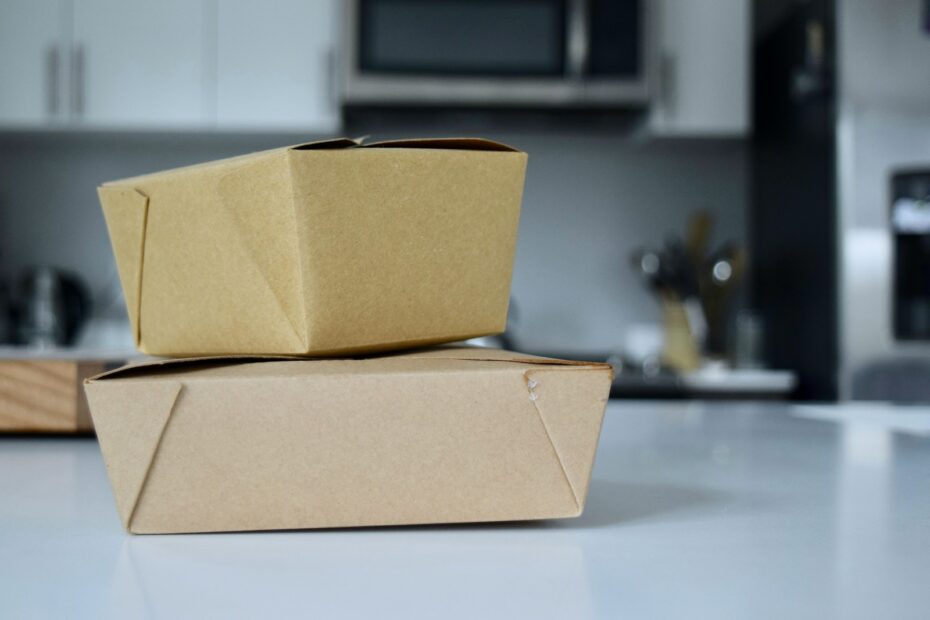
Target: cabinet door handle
668	69
77	80
52	74
332	77
577	38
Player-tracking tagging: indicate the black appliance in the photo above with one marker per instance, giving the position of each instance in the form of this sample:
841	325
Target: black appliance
793	223
910	226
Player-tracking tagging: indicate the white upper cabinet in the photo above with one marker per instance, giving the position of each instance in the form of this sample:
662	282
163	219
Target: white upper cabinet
274	65
168	65
32	81
137	64
703	85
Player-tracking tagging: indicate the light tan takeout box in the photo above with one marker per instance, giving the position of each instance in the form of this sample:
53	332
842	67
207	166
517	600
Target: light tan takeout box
319	249
435	436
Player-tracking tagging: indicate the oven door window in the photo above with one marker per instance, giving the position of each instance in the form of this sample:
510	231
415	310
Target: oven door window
484	38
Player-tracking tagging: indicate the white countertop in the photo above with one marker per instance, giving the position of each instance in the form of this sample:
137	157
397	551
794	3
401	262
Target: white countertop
695	510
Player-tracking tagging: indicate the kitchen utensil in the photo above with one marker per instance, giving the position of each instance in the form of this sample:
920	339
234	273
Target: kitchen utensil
52	306
682	272
681	351
648	264
672	274
700	225
719	276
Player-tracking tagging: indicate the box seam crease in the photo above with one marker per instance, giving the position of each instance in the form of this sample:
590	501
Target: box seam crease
155	449
531	385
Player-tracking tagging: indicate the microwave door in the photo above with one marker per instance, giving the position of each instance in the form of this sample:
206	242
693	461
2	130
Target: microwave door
477	38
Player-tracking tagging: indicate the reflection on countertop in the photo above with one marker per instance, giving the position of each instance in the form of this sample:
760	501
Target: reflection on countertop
695	509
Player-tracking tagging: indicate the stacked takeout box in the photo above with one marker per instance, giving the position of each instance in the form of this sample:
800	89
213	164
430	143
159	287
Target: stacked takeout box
298	296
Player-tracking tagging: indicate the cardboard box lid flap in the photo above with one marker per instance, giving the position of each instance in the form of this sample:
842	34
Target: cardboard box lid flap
496	355
129	429
322	145
460	144
457	144
314	145
126	211
142	367
476	354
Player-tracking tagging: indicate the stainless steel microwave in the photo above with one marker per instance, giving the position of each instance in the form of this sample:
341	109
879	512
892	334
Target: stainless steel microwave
535	53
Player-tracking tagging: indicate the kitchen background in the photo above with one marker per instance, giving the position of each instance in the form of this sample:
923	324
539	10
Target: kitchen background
589	200
784	120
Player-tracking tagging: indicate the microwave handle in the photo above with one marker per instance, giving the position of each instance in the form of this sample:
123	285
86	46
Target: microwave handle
577	37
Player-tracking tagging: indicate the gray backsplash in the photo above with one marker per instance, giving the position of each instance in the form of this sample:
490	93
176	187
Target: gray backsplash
590	200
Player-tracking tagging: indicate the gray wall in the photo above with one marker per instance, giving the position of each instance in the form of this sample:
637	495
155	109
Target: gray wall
590	200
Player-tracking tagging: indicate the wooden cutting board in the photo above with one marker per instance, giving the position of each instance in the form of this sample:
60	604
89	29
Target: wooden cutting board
46	395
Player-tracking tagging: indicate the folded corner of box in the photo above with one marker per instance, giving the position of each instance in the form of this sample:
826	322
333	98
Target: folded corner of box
130	424
125	209
570	402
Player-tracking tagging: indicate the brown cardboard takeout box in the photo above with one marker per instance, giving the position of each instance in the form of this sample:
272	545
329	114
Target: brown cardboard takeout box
321	248
433	436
